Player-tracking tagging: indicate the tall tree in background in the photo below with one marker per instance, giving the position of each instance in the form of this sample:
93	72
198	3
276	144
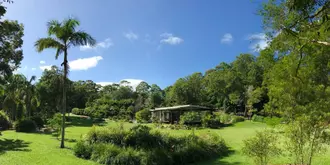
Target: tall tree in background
62	36
30	96
14	94
11	54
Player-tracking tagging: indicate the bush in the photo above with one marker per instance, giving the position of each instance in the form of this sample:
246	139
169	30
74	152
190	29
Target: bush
141	145
25	125
38	120
140	137
262	147
55	123
106	135
257	118
272	121
210	121
156	157
78	111
193	148
105	153
4	121
128	156
224	118
143	116
82	150
190	118
236	119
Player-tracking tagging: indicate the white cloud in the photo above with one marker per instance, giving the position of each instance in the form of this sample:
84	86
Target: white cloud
84	63
33	69
227	39
25	68
131	36
168	38
132	82
104	45
259	41
48	67
105	83
42	62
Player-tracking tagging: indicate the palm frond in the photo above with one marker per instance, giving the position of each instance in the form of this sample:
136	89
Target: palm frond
58	53
45	43
81	38
2	90
54	28
33	78
70	24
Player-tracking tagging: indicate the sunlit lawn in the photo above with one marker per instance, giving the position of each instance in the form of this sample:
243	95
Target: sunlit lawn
42	149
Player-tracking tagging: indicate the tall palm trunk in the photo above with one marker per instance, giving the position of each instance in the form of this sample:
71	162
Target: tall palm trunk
65	64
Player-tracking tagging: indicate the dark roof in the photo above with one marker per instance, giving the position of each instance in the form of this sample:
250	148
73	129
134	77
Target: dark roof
182	107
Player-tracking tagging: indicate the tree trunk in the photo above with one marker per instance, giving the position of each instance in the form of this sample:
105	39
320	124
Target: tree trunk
64	97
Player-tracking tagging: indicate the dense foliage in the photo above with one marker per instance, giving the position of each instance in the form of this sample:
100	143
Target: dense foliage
263	147
4	121
141	145
25	125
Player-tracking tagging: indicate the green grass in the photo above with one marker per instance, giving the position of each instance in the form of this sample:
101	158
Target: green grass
40	149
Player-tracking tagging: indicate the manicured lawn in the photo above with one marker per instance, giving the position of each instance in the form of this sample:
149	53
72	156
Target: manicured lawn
31	149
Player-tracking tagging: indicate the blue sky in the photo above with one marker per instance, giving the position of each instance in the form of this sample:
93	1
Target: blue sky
157	41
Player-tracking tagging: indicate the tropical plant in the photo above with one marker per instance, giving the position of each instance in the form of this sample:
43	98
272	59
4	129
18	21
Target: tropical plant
14	96
30	96
62	36
262	147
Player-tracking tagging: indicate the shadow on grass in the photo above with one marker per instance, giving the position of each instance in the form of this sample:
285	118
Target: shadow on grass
80	121
216	161
13	145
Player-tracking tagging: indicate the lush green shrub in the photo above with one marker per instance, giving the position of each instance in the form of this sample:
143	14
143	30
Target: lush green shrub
236	119
82	150
190	118
78	111
38	120
257	118
210	121
156	157
4	121
224	118
105	153
25	125
141	137
141	145
262	147
55	123
128	156
143	116
272	121
106	135
193	148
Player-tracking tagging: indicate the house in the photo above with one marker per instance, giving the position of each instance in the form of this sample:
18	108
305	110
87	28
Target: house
172	114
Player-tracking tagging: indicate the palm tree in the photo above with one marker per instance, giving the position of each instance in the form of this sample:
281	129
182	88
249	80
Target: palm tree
30	98
14	92
62	36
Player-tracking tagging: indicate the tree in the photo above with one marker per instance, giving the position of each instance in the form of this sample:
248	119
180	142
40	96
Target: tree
156	96
30	96
143	88
262	147
83	92
62	36
188	90
11	54
49	89
298	83
14	92
305	20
